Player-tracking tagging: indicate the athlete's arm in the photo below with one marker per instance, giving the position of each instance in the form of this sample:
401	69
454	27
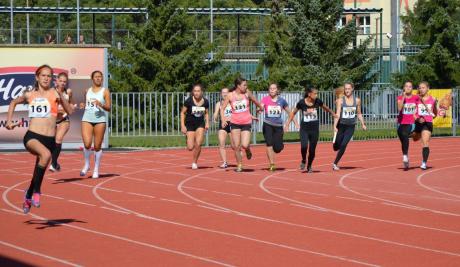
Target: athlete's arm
182	120
108	101
254	100
327	109
360	115
338	106
291	118
64	103
19	100
224	104
206	119
216	112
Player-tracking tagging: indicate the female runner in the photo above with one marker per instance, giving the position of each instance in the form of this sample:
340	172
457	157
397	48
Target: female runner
426	112
348	108
195	121
241	119
63	121
223	131
273	123
39	140
94	121
407	103
309	129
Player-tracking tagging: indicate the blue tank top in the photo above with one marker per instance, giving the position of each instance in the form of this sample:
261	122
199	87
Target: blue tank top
348	113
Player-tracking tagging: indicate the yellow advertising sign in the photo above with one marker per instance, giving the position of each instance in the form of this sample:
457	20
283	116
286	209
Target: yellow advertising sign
444	105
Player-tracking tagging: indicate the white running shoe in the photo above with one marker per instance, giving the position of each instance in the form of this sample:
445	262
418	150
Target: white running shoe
51	168
84	171
194	166
224	165
423	166
335	167
406	164
95	174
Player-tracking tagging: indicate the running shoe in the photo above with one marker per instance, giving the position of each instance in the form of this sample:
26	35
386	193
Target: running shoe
248	153
55	168
423	166
335	167
36	200
194	166
309	170
51	168
302	166
224	165
84	171
406	165
239	168
272	168
27	205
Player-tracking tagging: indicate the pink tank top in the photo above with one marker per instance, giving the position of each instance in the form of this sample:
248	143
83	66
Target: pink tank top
425	109
240	110
406	115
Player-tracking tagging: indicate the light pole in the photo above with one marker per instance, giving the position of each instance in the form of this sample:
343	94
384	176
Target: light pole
211	26
78	21
11	22
28	24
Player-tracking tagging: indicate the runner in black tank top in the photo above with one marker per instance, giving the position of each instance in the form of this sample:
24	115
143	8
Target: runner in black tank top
345	125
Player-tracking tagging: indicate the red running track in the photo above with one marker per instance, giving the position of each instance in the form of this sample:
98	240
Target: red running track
151	209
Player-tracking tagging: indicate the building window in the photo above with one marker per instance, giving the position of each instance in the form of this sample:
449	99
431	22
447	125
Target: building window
342	22
364	23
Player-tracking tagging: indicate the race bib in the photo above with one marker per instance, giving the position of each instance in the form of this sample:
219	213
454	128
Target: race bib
228	111
274	111
409	108
423	111
91	104
240	106
39	108
311	114
198	111
348	112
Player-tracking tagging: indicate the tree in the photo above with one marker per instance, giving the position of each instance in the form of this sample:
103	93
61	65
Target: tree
434	24
311	50
164	55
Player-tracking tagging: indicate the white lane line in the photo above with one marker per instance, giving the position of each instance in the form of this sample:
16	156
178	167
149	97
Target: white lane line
431	188
195	188
401	206
120	211
51	196
82	203
156	182
39	254
175	201
277	188
141	195
308	207
311	193
135	179
111	190
266	200
357	199
236	182
228	194
211	208
14	212
396	193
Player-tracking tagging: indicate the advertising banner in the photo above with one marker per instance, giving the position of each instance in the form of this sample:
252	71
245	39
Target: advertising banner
17	72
